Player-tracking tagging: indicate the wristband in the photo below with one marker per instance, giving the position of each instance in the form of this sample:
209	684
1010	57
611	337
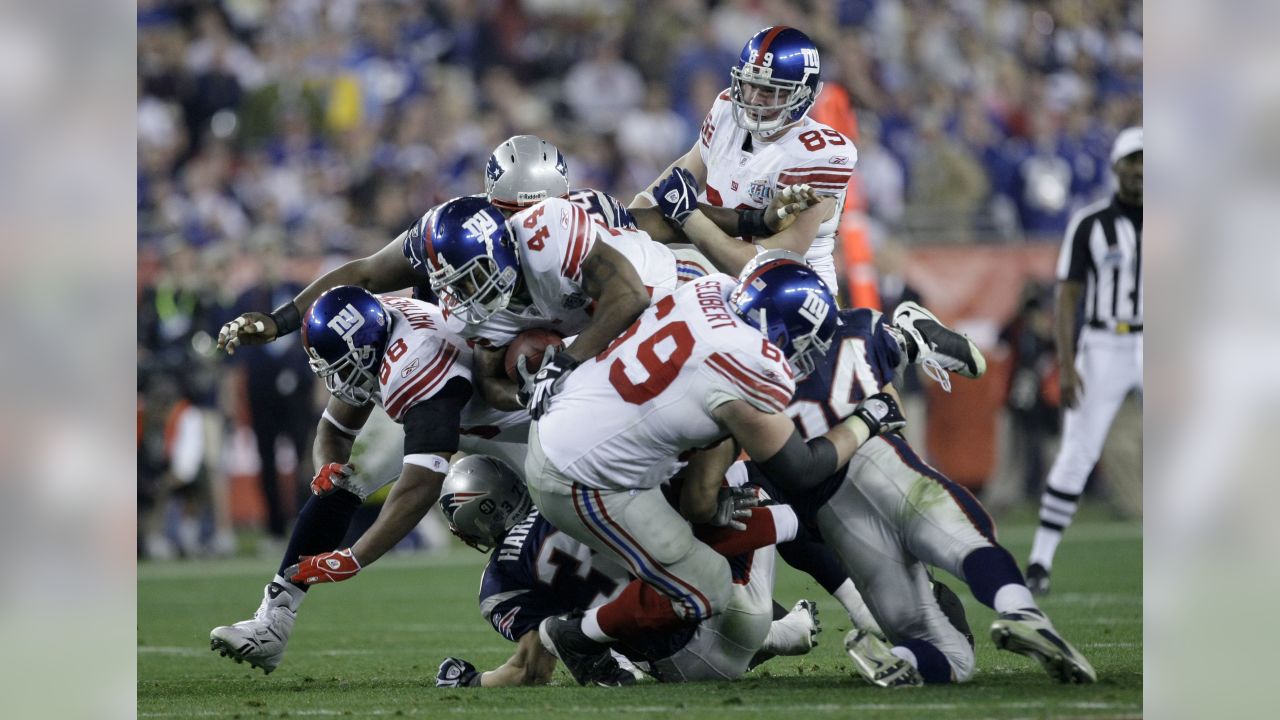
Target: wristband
861	430
751	223
287	319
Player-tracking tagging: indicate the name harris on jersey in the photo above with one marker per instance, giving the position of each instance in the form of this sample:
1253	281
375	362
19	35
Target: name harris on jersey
513	541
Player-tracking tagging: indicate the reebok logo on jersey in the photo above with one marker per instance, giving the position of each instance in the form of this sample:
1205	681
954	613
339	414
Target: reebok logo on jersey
412	366
838	160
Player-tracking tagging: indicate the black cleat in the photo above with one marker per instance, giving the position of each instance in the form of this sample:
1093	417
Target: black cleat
938	345
1038	579
953	608
588	661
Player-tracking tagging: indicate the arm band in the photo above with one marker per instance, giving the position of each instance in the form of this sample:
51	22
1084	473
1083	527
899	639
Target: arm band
435	463
287	318
329	418
800	465
751	223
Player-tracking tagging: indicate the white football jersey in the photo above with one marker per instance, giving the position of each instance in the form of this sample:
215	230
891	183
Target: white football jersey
553	239
745	173
422	356
624	419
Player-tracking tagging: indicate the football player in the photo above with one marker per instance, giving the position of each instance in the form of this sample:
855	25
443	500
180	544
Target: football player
937	351
888	514
757	139
536	572
547	266
395	353
715	360
522	171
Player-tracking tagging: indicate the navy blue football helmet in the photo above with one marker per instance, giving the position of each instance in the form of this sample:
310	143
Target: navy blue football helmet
345	333
472	259
783	298
775	81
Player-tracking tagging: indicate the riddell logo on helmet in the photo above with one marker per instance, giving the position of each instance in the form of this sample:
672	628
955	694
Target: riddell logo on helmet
531	197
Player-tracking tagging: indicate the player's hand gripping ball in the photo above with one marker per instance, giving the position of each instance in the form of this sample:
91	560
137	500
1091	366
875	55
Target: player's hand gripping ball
530	344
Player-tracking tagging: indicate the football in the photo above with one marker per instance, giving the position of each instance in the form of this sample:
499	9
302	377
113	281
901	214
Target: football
531	344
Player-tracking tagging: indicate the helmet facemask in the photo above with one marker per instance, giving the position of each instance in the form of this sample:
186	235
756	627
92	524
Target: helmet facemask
477	290
351	378
762	103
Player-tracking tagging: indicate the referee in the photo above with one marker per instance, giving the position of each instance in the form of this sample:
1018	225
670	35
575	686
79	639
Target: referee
1101	260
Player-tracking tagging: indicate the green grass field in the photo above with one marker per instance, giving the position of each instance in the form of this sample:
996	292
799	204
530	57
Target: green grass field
370	647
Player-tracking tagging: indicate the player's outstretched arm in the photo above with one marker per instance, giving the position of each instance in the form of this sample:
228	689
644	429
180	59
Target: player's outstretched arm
774	443
384	271
799	235
530	665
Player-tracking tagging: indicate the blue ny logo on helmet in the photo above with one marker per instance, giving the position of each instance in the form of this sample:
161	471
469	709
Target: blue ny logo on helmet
776	79
345	333
470	257
783	298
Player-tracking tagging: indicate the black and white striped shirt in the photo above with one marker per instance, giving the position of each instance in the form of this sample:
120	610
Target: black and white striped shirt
1103	250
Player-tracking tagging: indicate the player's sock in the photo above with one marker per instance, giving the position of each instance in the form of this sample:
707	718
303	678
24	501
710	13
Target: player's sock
989	570
766	526
929	660
849	597
1057	509
1014	596
297	593
638	612
591	627
321	525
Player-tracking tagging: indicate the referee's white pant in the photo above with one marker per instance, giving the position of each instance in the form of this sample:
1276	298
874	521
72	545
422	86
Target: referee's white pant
1109	365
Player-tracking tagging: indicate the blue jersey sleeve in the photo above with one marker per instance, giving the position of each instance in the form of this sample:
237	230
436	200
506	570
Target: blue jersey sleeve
603	208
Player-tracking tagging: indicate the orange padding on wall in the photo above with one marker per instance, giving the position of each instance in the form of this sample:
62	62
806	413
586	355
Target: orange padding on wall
975	290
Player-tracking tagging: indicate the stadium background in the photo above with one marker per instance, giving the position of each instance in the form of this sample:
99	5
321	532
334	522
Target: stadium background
278	139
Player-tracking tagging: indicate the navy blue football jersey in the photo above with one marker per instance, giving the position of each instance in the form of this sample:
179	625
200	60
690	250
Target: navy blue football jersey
861	360
538	572
603	208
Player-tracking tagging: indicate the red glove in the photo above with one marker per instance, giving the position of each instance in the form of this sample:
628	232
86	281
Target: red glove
333	566
326	480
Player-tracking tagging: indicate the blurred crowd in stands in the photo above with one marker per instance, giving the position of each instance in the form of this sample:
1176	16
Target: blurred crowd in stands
277	138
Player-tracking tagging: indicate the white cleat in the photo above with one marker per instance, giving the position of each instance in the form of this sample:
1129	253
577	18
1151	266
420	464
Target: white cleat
875	662
1028	632
796	633
939	347
260	641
